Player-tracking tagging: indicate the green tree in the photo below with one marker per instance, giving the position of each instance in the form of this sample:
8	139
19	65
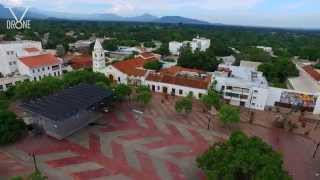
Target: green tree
279	70
61	51
149	44
36	175
184	105
163	50
229	115
199	60
211	99
110	45
84	76
143	95
242	158
122	91
11	129
153	65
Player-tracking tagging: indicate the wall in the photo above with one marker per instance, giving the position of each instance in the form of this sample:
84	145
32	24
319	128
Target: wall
159	88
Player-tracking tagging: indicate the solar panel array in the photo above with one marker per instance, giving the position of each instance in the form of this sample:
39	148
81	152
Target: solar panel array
69	102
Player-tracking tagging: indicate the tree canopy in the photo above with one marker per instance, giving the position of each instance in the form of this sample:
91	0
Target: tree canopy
242	158
184	104
211	99
153	65
278	70
122	91
229	115
198	60
11	129
143	95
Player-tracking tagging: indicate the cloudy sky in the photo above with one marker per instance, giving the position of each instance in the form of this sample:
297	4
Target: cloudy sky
277	13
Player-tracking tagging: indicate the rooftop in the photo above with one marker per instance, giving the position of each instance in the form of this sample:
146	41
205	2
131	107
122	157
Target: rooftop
182	76
312	72
133	67
30	50
40	60
67	103
242	76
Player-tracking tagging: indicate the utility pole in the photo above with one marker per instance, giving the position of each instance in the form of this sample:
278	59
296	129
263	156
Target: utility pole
315	152
35	162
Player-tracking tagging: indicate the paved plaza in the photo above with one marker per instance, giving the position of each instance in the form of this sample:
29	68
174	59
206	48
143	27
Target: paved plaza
159	144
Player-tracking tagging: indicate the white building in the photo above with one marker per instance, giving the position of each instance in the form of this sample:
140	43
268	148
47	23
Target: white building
40	66
10	51
173	81
22	60
174	47
197	43
7	82
244	86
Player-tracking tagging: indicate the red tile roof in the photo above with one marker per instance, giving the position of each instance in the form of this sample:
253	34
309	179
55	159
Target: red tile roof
30	50
79	62
132	67
147	55
40	60
312	72
176	69
179	80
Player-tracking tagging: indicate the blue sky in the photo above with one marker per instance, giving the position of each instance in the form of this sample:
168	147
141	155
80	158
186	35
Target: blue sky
278	13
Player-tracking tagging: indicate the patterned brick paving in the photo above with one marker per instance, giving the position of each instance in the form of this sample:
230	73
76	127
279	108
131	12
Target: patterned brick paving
131	146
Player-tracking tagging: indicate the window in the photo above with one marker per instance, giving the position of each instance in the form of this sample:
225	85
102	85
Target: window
34	78
8	52
10	63
255	91
38	70
158	88
119	79
1	87
200	95
42	69
14	62
48	68
180	92
33	70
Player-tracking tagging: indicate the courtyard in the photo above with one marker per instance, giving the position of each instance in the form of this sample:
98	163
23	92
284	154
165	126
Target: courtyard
158	144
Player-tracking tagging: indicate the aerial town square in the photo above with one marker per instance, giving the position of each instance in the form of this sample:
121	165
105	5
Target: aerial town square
159	90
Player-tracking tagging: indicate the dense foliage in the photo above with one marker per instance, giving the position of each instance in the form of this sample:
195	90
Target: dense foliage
242	158
198	60
253	54
284	41
229	115
211	99
278	70
143	95
36	175
153	65
11	128
122	91
49	85
184	105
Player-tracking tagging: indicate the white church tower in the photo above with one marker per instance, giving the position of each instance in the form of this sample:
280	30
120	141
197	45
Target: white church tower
98	58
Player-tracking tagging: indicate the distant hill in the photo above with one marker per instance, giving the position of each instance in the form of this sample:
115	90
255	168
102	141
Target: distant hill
180	20
40	14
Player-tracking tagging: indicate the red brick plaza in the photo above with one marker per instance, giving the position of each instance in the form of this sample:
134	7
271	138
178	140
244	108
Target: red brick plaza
160	144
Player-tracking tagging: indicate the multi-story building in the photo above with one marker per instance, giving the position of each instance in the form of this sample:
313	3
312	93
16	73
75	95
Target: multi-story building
10	51
40	66
22	60
197	43
242	86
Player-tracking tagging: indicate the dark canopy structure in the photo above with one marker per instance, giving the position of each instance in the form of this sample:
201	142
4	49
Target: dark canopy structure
69	102
63	113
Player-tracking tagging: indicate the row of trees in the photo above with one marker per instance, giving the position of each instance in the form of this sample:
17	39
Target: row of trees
287	43
278	70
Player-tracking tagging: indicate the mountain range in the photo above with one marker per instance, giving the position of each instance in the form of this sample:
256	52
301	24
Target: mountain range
40	14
